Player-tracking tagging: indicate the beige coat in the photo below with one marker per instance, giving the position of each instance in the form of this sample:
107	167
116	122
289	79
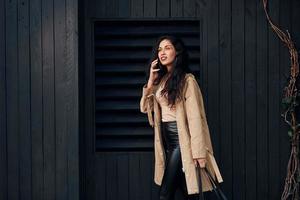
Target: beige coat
193	133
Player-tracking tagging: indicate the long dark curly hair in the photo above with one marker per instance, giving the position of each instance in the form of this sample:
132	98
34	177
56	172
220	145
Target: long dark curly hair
174	84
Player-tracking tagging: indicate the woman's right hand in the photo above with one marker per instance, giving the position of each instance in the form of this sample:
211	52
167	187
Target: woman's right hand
153	73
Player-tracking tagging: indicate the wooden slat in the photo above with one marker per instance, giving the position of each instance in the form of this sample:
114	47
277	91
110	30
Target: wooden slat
149	8
12	96
61	78
262	102
111	8
189	8
274	103
48	100
284	143
3	128
100	176
134	177
111	177
225	157
212	105
250	101
121	118
146	177
72	101
176	8
123	176
36	100
124	8
238	99
24	100
125	131
163	10
137	8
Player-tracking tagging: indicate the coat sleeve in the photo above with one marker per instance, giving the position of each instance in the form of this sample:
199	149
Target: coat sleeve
196	119
146	103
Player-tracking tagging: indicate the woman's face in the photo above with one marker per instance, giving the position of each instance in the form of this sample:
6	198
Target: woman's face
166	53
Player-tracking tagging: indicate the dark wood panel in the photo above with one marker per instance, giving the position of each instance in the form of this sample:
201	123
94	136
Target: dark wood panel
12	96
72	101
274	102
24	100
176	8
163	9
284	69
36	99
250	101
262	104
189	8
137	8
48	100
60	77
238	99
3	136
150	8
212	92
30	159
225	157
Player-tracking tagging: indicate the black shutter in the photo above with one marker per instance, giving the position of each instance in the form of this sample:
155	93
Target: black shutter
122	51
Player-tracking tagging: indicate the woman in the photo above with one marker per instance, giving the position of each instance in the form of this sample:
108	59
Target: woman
181	135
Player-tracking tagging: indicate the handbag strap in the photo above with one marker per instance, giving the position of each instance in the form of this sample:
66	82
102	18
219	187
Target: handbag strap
201	196
216	185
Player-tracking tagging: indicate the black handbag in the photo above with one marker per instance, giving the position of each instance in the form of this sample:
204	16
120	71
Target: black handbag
215	185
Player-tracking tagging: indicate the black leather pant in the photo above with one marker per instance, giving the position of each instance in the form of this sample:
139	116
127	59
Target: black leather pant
173	178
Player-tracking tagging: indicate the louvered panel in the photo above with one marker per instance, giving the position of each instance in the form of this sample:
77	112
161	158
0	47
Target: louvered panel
122	51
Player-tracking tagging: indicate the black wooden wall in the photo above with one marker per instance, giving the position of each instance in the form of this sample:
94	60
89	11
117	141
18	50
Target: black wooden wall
39	126
243	70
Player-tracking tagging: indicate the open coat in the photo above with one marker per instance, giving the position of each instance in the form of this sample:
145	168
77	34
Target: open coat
193	133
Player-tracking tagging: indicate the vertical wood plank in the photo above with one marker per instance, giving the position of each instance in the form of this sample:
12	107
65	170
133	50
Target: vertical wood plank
295	29
12	78
72	101
48	100
146	176
262	101
134	174
149	8
189	8
250	100
137	8
274	106
3	136
61	75
36	99
123	176
111	177
212	106
100	174
238	99
124	8
225	158
250	73
24	99
176	8
285	24
96	8
163	8
111	8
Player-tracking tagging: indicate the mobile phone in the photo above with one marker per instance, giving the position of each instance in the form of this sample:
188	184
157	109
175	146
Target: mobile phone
158	65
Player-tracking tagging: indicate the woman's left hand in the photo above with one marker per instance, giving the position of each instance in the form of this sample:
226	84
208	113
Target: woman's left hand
200	161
